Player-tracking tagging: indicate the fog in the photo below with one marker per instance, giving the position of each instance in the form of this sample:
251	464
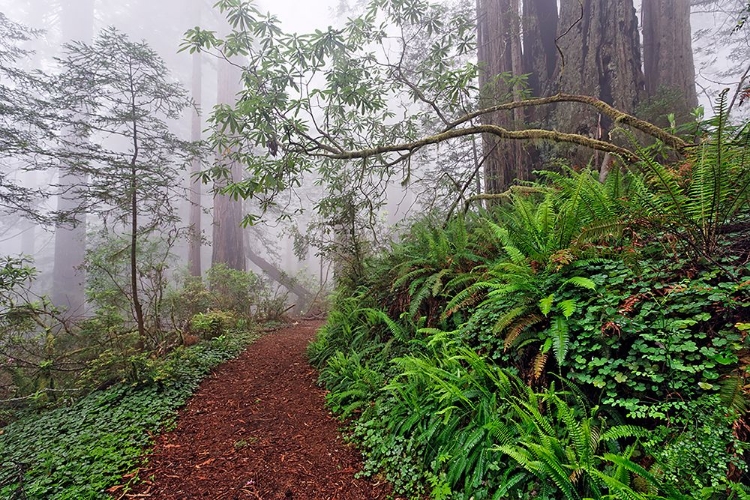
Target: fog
269	246
162	25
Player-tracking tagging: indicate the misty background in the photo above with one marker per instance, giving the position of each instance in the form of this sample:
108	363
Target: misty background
292	252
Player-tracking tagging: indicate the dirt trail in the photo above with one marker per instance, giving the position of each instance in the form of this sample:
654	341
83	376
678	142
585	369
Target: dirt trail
258	429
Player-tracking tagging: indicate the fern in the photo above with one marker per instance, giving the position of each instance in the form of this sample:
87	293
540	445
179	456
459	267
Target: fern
734	394
715	190
561	445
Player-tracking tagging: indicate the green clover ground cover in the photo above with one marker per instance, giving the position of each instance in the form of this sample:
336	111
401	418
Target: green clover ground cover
77	452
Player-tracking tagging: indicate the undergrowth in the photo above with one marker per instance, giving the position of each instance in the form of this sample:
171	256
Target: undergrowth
582	339
77	452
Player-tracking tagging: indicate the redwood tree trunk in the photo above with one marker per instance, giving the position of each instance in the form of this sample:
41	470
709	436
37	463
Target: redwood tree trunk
539	51
68	278
228	247
668	54
540	57
499	52
601	58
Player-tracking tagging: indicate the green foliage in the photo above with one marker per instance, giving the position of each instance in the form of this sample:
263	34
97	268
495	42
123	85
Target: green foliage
712	188
238	292
212	323
592	211
634	291
187	297
345	331
77	452
280	104
437	419
40	355
123	89
521	296
29	126
351	384
14	272
561	446
699	448
241	294
649	337
551	276
108	286
433	265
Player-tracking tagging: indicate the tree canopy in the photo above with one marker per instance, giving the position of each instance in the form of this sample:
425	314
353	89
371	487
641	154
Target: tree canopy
364	101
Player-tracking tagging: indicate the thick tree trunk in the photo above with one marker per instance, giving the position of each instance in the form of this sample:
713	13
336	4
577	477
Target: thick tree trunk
668	55
228	247
601	58
194	248
68	279
539	61
499	53
539	51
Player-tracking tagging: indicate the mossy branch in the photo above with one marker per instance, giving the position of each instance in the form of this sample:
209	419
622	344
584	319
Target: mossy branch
528	134
616	115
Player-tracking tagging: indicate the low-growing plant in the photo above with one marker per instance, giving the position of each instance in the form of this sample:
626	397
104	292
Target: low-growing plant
651	340
78	452
699	447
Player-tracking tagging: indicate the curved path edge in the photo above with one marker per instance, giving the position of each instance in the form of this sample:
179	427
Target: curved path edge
257	428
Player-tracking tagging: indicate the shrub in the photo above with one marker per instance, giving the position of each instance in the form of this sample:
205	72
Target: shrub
212	323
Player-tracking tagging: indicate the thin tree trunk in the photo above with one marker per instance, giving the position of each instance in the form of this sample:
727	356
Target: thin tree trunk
194	249
134	231
279	277
68	278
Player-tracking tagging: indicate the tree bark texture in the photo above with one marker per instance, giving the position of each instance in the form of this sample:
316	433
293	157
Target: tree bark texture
540	57
539	51
600	48
499	53
667	52
68	278
228	247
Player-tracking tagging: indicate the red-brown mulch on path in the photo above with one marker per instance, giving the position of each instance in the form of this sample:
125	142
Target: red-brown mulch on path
257	428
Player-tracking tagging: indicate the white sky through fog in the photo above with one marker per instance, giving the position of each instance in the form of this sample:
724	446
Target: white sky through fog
302	16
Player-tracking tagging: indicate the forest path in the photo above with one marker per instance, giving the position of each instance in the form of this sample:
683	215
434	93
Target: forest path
257	428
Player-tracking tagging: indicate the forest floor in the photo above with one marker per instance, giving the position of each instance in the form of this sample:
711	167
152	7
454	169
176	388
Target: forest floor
257	428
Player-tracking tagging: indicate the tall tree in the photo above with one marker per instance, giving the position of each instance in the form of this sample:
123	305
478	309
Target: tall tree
70	238
540	55
500	64
600	48
124	90
668	54
228	244
194	248
540	58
